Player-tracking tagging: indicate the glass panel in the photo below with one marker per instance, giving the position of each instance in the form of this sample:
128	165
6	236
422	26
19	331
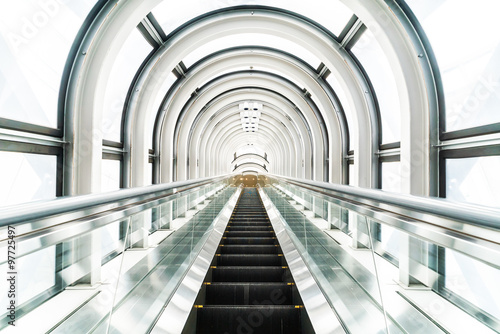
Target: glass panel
474	180
252	39
35	39
379	70
131	55
149	174
389	238
352	175
110	175
168	262
391	176
474	281
391	181
273	70
332	14
41	265
468	54
110	235
250	149
168	79
27	177
347	284
345	105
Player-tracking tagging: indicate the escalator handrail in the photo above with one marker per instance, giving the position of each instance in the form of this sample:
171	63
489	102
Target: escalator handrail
23	213
400	203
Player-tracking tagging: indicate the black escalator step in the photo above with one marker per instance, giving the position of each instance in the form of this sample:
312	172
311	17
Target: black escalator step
248	274
249	241
248	234
249	294
259	211
248	228
234	222
248	319
249	260
249	249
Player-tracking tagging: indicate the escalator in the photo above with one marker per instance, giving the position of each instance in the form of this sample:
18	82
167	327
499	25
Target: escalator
249	288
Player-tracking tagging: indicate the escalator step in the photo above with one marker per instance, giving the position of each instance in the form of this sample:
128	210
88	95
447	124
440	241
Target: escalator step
248	274
248	319
249	249
249	294
248	234
249	241
249	228
249	260
239	222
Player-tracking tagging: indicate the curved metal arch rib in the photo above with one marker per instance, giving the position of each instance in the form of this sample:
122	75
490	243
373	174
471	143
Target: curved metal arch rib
312	105
294	126
256	89
269	14
287	58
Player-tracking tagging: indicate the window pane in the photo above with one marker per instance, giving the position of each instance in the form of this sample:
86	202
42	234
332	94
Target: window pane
110	175
332	14
474	180
345	105
462	36
168	79
149	174
474	281
26	177
352	175
252	39
132	54
379	71
35	39
391	176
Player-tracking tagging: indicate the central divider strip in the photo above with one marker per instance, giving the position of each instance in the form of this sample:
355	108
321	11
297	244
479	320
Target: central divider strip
176	312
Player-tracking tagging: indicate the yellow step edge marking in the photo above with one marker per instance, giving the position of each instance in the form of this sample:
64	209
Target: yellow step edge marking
217	254
198	306
290	283
213	267
284	267
207	283
280	254
299	306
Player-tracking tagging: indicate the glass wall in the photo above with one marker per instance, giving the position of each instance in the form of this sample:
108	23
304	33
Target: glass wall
252	39
27	177
35	39
374	61
333	82
464	39
474	180
110	180
110	175
473	281
132	54
332	14
391	181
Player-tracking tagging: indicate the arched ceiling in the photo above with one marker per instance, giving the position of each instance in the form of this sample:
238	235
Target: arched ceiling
234	57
